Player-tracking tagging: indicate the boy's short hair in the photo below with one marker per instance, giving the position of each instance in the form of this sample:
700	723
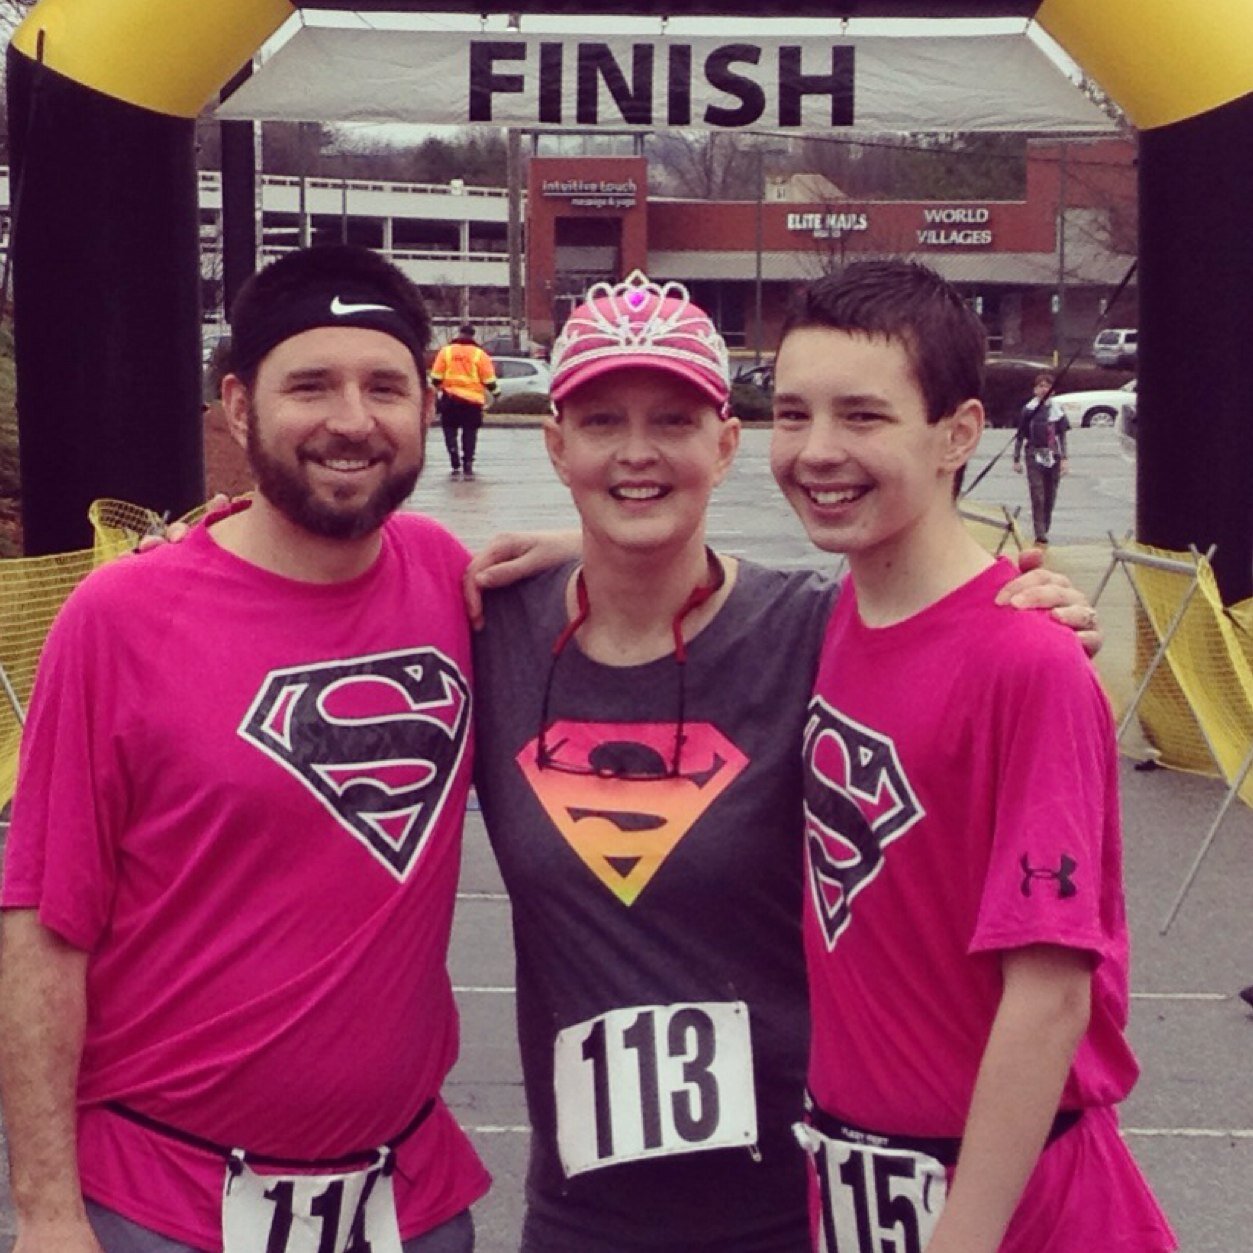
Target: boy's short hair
1044	377
902	300
330	285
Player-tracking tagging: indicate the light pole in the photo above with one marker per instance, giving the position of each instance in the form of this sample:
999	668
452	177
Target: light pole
762	151
513	140
1059	297
761	197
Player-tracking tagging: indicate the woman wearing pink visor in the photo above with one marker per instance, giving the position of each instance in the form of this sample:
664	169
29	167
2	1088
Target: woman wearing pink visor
639	722
638	766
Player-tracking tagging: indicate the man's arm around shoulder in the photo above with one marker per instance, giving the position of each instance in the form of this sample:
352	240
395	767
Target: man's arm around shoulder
43	1010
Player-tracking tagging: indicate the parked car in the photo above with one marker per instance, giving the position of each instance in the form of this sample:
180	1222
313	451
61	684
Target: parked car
759	376
507	346
519	375
1098	408
1126	428
752	392
1115	348
502	345
210	336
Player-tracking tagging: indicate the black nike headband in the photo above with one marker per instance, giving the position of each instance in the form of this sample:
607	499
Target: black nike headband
256	333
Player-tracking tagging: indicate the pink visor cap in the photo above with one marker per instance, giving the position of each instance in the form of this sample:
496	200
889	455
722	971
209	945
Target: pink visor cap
641	323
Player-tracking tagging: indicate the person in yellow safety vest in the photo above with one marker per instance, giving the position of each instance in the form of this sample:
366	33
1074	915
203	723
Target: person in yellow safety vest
464	374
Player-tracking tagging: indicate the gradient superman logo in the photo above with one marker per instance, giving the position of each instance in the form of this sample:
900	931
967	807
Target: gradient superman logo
607	792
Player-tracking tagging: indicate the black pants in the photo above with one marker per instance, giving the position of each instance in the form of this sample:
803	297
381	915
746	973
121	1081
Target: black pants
119	1235
465	416
1042	483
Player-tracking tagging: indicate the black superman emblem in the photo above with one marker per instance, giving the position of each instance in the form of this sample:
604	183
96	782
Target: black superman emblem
376	739
857	802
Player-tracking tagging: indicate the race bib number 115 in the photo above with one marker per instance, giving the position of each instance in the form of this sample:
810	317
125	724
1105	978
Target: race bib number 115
654	1080
874	1200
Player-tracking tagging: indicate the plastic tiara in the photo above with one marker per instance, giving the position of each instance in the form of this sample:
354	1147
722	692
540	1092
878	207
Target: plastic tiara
641	317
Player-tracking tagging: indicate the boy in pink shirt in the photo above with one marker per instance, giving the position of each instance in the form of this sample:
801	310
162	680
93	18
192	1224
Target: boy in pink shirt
964	926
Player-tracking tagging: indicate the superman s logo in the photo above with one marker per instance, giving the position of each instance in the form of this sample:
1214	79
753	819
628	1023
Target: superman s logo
857	802
607	790
376	739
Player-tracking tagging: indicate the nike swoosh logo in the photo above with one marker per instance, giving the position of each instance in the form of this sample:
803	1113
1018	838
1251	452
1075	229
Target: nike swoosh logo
341	310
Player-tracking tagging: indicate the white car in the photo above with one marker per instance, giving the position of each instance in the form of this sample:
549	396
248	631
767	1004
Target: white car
1098	408
521	375
1116	348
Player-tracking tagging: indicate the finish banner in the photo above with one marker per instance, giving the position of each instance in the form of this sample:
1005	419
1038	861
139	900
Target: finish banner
617	82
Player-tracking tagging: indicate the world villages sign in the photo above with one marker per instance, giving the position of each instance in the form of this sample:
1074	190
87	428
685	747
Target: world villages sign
949	228
943	226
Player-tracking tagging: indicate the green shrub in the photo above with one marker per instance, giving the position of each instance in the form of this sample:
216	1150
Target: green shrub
10	477
1007	385
749	403
1006	388
216	368
524	402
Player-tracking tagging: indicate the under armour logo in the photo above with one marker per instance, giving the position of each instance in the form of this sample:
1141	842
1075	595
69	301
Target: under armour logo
1063	876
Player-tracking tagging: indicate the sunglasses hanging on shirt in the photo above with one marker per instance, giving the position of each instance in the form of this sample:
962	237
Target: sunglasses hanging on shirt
546	756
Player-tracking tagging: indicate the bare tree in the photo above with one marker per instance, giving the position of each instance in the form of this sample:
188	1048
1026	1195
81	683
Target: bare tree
836	241
942	166
712	165
12	12
1105	102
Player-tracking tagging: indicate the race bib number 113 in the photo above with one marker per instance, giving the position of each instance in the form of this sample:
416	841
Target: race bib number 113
654	1080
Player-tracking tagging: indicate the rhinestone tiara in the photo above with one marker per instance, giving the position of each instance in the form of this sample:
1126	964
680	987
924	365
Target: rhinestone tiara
639	317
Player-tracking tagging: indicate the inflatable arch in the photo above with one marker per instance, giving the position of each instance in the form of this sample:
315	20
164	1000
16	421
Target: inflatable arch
102	100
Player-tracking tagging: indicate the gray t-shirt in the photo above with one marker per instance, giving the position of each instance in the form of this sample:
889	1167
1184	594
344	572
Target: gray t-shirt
649	892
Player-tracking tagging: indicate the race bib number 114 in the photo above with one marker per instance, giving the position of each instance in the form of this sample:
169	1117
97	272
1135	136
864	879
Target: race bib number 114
346	1213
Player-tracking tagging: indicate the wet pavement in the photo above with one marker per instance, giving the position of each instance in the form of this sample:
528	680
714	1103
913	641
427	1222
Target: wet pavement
1190	1120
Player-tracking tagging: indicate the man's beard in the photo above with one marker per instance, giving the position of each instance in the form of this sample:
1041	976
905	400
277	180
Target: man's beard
292	496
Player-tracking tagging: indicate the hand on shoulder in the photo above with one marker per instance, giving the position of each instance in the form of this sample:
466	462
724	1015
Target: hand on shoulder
508	558
176	532
1038	588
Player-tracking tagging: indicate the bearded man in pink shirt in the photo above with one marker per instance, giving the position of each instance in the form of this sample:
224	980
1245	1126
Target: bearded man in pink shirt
225	1014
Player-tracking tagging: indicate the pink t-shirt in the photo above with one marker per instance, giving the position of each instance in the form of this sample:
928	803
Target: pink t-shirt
961	800
243	796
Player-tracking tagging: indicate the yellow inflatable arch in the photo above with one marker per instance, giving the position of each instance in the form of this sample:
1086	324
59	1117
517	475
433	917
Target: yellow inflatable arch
1161	60
102	97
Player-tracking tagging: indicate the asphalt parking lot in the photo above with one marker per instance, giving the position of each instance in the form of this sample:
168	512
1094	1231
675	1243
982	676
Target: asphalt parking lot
1190	1121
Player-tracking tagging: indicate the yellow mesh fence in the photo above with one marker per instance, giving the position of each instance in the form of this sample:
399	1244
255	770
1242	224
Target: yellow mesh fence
995	527
32	591
1198	708
117	526
1203	689
1241	617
